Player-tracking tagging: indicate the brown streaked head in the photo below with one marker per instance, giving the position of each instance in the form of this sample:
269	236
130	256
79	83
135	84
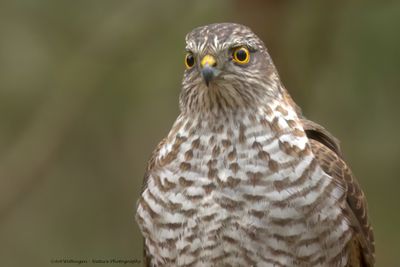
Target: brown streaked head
227	67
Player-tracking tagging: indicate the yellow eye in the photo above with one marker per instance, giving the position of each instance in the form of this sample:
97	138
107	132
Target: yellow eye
189	60
241	55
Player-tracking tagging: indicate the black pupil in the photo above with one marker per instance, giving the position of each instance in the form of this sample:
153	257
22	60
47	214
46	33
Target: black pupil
241	55
190	60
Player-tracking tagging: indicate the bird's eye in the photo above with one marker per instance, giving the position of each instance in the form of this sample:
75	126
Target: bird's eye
241	55
189	60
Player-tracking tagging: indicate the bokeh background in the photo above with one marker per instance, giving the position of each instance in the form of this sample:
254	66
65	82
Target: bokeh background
88	88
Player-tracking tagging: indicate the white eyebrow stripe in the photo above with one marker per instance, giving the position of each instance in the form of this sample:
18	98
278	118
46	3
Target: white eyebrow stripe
216	42
203	44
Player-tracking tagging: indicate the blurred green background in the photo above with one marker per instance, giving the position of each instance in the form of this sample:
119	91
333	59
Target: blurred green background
88	88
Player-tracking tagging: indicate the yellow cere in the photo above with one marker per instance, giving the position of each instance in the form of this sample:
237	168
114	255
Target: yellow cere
208	60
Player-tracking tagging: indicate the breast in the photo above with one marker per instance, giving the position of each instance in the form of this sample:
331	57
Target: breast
242	192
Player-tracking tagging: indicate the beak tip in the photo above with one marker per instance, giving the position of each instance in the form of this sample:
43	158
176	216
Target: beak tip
208	74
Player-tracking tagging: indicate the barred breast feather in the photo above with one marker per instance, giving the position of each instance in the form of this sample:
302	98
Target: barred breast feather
250	189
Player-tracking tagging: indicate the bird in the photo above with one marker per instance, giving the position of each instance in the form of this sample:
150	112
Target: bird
243	178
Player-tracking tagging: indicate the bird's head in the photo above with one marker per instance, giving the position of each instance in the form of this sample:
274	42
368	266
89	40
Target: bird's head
227	68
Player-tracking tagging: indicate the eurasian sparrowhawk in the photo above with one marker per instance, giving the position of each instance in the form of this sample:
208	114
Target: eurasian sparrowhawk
243	179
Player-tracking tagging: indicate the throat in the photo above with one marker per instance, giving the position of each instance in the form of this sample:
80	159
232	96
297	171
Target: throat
218	100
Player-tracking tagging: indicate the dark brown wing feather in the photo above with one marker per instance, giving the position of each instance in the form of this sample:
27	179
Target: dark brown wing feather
327	151
314	130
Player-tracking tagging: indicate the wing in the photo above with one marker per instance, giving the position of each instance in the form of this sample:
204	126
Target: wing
151	163
150	166
327	151
329	155
314	130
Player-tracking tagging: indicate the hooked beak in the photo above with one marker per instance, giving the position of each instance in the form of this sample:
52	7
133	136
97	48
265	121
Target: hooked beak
208	70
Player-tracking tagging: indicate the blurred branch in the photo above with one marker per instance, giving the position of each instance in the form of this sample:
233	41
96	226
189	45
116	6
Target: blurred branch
24	166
